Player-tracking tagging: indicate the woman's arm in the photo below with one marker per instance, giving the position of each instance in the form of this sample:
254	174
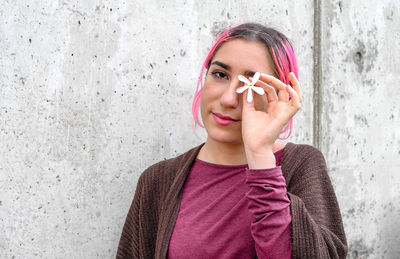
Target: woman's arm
311	227
317	228
129	243
269	204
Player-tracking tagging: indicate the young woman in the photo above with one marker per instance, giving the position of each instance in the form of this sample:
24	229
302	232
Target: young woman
240	194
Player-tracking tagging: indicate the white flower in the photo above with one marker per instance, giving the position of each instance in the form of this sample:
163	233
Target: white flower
250	86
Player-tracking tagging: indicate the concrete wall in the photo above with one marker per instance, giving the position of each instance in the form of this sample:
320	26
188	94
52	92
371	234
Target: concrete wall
93	92
361	120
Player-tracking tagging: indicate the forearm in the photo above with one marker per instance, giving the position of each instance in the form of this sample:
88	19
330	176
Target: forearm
269	204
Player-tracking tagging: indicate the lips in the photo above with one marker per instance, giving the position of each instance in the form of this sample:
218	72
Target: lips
223	119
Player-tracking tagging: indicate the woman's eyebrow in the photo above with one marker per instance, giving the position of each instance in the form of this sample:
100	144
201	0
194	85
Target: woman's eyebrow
223	65
227	67
249	73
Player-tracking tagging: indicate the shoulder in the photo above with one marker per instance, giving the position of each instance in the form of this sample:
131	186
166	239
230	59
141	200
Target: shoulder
296	153
301	161
166	170
303	148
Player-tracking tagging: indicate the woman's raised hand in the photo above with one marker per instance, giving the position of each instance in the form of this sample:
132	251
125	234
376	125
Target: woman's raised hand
260	129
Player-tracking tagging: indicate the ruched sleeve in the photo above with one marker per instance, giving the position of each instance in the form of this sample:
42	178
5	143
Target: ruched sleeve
270	207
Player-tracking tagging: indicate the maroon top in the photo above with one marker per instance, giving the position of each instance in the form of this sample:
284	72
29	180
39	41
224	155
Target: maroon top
232	212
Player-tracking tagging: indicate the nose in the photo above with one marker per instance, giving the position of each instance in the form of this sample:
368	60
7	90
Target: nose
229	98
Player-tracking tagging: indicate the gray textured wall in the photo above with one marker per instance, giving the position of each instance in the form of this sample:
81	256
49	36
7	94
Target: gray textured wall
93	92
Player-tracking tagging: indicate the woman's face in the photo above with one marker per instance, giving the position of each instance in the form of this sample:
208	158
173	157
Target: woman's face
221	106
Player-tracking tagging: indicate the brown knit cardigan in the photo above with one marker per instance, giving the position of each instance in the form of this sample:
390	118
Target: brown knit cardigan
317	229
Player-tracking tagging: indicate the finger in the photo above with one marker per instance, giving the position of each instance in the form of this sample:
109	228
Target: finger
296	85
283	95
275	82
248	106
270	91
295	101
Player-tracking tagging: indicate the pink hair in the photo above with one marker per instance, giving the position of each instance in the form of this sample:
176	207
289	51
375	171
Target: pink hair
199	88
283	58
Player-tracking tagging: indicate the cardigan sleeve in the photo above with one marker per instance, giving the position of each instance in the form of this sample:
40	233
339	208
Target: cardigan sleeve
317	228
129	242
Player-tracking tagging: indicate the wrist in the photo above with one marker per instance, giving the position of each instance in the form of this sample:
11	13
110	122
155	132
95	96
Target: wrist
261	159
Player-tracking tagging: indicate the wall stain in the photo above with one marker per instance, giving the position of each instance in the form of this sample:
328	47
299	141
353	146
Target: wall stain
217	27
361	120
364	53
359	249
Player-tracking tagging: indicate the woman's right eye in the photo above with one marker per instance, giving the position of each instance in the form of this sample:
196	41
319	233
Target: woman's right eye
219	74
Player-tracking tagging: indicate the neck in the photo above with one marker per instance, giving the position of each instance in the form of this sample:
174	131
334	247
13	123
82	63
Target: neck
222	153
226	153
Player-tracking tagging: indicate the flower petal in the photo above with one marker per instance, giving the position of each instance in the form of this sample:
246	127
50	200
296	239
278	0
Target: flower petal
258	90
249	95
255	78
242	89
243	79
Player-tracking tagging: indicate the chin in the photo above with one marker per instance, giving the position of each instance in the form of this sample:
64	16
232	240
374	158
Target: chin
224	135
231	134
